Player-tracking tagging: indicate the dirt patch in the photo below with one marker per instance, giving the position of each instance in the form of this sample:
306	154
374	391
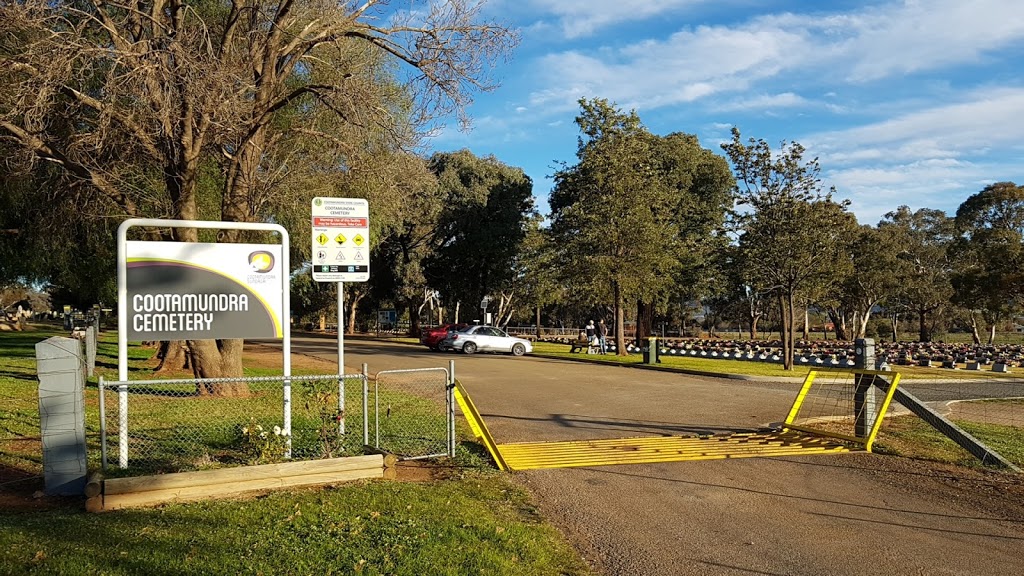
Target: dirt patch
994	492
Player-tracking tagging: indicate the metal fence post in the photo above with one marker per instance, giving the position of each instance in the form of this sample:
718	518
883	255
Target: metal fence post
103	425
366	406
864	408
287	394
450	397
341	404
91	336
122	426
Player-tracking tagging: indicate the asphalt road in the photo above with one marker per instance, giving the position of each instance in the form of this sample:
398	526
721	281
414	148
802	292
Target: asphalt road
844	514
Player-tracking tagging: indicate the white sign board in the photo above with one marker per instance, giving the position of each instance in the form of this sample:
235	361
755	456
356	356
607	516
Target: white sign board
197	291
341	240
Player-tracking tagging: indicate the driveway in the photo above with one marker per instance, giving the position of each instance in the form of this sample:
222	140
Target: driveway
849	514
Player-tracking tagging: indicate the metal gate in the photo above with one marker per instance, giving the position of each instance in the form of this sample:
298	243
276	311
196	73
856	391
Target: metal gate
412	413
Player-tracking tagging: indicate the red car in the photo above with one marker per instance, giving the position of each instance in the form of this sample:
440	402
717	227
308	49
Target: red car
433	337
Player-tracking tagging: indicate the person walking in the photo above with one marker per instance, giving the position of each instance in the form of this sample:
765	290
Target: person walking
602	336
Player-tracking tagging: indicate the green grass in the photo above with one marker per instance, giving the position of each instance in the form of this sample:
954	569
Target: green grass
475	522
472	525
911	437
681	363
692	364
1008	441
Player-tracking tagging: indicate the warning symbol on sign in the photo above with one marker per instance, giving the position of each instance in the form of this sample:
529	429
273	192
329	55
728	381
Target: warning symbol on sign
340	239
321	239
358	240
341	256
359	255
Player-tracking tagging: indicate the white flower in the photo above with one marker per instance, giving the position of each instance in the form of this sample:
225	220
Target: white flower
260	428
263	434
277	430
245	430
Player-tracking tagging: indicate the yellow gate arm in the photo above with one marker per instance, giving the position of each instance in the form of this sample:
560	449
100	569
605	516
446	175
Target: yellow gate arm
477	424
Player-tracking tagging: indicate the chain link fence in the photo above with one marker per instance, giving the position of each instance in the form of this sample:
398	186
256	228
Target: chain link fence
986	405
413	414
192	424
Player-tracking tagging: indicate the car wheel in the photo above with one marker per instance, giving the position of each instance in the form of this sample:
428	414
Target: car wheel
518	350
469	348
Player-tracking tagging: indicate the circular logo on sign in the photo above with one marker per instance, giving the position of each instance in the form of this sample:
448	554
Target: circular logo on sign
261	261
317	202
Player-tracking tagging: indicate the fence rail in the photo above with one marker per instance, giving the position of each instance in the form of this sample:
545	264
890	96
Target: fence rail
413	412
191	424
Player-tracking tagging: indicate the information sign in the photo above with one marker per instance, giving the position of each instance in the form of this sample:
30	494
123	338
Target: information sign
341	240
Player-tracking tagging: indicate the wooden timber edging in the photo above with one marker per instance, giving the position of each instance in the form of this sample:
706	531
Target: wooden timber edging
118	493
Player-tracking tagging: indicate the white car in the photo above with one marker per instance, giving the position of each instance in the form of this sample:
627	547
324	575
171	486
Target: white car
486	339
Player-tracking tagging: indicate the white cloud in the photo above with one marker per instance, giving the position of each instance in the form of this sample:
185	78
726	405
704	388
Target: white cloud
984	119
931	158
652	74
764	101
704	61
580	18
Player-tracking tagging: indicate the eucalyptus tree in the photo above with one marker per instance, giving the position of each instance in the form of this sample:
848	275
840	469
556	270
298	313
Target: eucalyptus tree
486	210
700	184
988	253
795	237
160	86
923	277
635	213
872	279
536	274
406	242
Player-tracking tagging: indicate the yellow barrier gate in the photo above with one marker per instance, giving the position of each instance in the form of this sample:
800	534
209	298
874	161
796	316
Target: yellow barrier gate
809	429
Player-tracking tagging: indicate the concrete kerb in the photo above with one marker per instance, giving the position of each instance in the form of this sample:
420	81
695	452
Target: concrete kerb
584	359
686	371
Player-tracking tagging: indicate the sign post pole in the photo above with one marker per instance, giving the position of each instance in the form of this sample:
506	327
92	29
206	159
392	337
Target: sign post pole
340	253
341	358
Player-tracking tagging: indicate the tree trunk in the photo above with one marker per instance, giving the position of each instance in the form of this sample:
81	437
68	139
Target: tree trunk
354	297
865	315
172	357
975	337
839	324
894	322
218	359
789	325
539	333
923	335
753	325
620	320
414	319
992	334
785	330
807	323
644	321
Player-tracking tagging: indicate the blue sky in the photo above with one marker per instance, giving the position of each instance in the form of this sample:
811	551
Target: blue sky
917	102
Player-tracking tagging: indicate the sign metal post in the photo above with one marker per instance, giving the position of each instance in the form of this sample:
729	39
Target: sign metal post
341	253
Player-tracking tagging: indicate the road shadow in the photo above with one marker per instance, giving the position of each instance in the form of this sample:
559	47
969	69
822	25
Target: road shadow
852	505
